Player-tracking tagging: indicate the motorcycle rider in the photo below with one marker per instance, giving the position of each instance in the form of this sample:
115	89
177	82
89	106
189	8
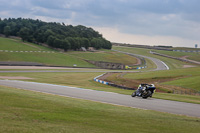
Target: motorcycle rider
139	90
144	90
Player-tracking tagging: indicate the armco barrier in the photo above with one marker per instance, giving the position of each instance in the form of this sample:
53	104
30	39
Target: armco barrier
111	84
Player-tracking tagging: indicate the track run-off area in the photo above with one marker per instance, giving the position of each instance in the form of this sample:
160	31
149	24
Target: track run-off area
173	107
159	64
167	106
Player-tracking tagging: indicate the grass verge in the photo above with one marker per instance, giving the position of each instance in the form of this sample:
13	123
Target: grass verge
172	63
55	59
106	56
29	52
186	78
85	80
192	56
18	45
25	111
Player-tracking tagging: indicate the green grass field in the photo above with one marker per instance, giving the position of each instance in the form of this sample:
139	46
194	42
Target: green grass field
192	56
186	78
185	48
163	84
25	111
172	63
57	59
190	82
184	81
18	45
106	56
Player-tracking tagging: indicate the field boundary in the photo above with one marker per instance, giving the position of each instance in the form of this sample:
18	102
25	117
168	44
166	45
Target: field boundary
27	51
176	58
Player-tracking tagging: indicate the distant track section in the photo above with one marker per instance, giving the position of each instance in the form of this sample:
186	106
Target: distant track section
160	64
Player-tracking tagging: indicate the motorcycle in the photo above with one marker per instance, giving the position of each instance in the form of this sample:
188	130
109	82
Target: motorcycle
144	91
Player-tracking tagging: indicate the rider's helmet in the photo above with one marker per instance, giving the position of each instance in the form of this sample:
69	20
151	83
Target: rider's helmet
139	86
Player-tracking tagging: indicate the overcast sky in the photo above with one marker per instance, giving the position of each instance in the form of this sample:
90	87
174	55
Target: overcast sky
152	22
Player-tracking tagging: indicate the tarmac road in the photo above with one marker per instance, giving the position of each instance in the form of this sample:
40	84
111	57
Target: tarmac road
160	64
109	97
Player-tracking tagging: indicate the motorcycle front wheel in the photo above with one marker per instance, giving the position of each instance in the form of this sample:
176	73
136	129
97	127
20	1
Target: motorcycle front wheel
133	94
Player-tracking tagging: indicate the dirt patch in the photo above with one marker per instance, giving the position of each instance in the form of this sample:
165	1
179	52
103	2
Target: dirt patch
185	57
118	79
18	77
105	76
139	62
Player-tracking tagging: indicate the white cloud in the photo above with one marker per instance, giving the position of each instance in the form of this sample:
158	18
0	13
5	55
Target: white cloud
132	19
114	35
169	17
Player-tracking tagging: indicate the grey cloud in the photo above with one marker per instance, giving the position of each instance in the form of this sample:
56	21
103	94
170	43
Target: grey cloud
147	17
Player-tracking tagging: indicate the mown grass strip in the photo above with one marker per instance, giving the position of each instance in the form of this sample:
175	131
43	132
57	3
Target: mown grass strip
106	56
56	59
186	78
189	55
172	63
29	52
25	111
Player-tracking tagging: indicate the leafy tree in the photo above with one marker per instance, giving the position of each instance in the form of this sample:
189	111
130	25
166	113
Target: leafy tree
96	42
39	36
72	42
2	25
7	31
57	43
24	34
66	45
48	33
50	40
13	28
84	42
54	34
77	44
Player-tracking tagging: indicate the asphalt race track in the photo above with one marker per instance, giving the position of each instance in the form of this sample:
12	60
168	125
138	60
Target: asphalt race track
109	97
160	65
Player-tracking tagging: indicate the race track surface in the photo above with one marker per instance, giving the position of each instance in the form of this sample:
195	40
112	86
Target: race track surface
160	64
109	97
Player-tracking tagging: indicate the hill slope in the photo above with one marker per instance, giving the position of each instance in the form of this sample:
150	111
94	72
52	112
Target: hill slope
16	50
54	34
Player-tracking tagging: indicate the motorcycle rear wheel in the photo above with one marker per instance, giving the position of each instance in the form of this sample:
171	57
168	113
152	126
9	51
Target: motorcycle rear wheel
148	94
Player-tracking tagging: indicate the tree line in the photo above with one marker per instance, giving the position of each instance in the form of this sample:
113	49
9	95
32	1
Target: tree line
57	35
